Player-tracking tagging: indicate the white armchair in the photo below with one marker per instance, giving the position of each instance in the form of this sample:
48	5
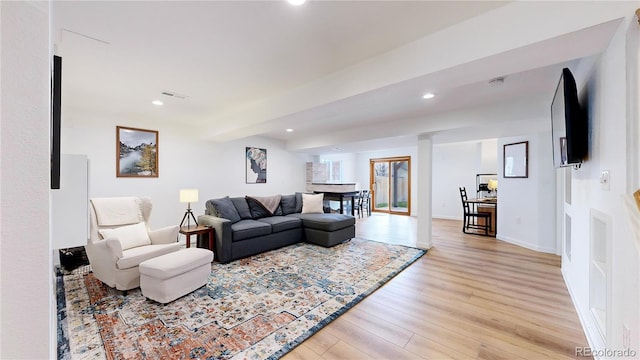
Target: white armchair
120	240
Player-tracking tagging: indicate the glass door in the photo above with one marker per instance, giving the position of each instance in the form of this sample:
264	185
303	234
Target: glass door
380	186
391	185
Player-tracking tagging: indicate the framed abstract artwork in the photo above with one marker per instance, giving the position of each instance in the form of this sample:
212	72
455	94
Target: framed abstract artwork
136	152
256	165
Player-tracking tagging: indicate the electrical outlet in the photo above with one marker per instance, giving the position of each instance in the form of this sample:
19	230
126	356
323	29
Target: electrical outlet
604	180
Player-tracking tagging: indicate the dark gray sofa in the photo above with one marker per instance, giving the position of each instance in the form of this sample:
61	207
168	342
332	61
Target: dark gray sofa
244	227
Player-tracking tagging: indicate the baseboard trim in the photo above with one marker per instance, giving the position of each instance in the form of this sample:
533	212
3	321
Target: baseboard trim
584	321
446	217
526	245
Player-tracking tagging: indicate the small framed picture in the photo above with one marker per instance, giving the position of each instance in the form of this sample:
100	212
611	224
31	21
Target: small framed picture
136	152
516	162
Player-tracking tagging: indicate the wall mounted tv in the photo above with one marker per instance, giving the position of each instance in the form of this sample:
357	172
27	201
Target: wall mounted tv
568	124
56	120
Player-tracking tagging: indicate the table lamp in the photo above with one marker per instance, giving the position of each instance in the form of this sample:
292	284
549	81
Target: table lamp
188	196
493	185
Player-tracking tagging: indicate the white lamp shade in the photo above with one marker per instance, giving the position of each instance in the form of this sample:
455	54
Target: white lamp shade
493	185
188	195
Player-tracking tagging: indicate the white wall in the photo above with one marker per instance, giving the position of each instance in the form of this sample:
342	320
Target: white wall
526	206
69	207
216	169
455	165
606	89
26	301
363	176
633	176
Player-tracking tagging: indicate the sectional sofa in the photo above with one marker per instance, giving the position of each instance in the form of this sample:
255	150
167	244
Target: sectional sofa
250	225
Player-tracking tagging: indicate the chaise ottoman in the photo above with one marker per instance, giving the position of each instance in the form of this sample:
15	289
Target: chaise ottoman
327	229
170	276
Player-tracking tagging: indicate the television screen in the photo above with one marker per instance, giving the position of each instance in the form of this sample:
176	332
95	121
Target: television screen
56	105
558	128
568	123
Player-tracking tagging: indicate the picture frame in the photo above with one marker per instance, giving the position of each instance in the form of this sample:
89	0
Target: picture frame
255	165
136	152
516	160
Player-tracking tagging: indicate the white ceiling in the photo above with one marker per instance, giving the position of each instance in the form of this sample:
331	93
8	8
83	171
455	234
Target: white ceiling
227	55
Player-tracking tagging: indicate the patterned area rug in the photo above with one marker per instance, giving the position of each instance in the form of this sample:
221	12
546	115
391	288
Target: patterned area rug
256	308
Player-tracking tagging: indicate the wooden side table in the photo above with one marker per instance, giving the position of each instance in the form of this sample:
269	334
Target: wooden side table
198	230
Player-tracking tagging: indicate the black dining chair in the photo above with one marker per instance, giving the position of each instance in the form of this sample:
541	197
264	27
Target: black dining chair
357	207
471	216
362	204
366	201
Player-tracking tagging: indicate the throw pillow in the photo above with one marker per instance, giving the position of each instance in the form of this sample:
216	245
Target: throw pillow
257	209
242	207
312	203
224	208
130	236
288	204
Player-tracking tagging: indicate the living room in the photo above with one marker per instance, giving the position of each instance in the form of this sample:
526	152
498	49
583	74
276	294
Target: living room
217	168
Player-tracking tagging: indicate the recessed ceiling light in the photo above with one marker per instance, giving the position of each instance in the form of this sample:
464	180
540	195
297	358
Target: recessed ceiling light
428	96
157	102
296	2
289	130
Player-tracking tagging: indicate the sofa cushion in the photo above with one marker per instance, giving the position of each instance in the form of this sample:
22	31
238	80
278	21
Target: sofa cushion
130	236
246	229
225	209
133	257
312	203
278	211
298	202
257	209
282	223
242	207
117	211
325	222
175	263
288	204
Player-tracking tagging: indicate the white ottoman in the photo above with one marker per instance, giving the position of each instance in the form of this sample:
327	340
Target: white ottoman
168	277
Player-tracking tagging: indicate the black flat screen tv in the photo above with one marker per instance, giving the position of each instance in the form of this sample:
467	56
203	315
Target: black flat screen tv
56	121
568	124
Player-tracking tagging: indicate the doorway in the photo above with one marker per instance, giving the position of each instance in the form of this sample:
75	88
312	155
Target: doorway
390	185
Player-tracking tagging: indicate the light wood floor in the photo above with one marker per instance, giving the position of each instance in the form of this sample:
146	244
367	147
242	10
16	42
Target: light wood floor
470	297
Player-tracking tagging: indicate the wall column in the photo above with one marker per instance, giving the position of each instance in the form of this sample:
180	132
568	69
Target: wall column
425	208
27	301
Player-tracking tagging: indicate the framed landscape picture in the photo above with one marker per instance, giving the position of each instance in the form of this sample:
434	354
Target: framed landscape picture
136	152
256	165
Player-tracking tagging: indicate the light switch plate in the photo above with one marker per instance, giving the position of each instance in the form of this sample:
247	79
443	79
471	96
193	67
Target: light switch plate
604	180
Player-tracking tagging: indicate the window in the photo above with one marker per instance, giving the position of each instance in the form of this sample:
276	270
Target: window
334	170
